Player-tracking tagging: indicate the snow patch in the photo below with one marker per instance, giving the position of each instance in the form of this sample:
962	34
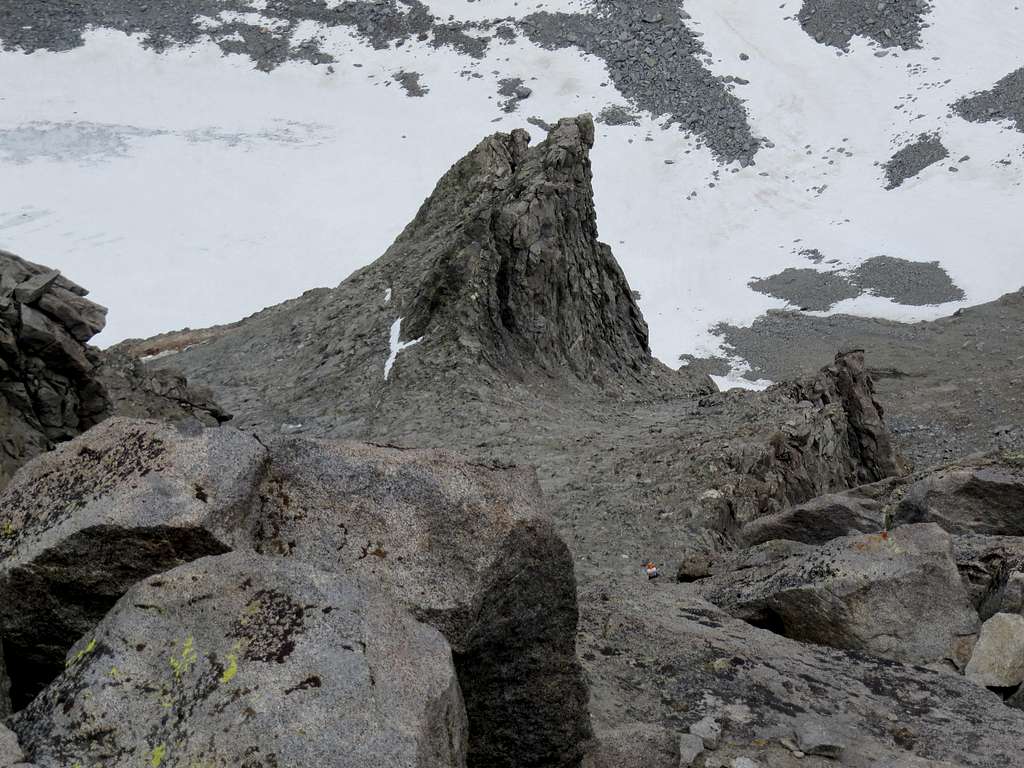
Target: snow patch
397	346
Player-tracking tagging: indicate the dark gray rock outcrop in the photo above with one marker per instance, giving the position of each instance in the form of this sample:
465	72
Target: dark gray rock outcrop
895	594
53	386
48	392
255	661
831	436
84	522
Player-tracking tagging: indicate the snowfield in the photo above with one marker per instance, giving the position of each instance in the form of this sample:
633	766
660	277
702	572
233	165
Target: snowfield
187	188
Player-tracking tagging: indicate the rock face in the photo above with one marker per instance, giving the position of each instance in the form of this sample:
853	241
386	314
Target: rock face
998	658
47	390
84	522
897	595
258	661
986	499
468	550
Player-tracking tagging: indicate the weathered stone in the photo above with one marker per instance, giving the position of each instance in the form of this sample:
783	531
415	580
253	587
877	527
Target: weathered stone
709	730
82	318
43	338
986	500
248	660
10	750
897	595
998	658
818	521
32	289
691	746
818	737
84	522
468	550
992	569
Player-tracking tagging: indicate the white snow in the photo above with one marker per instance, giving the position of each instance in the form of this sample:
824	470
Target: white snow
189	189
397	346
387	295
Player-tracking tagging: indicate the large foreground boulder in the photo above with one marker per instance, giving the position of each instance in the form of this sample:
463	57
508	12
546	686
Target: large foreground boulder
241	660
85	522
466	548
469	550
898	595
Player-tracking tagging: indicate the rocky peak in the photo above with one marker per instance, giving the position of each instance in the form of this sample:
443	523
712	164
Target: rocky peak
504	259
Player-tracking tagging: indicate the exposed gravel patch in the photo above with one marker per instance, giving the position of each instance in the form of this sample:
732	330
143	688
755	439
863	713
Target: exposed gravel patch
410	81
31	26
1004	101
913	283
653	59
890	23
808	289
914	158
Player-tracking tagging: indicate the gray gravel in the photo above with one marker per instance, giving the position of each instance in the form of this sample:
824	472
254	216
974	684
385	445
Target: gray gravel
617	114
916	283
654	59
808	289
890	23
1004	101
913	283
914	158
